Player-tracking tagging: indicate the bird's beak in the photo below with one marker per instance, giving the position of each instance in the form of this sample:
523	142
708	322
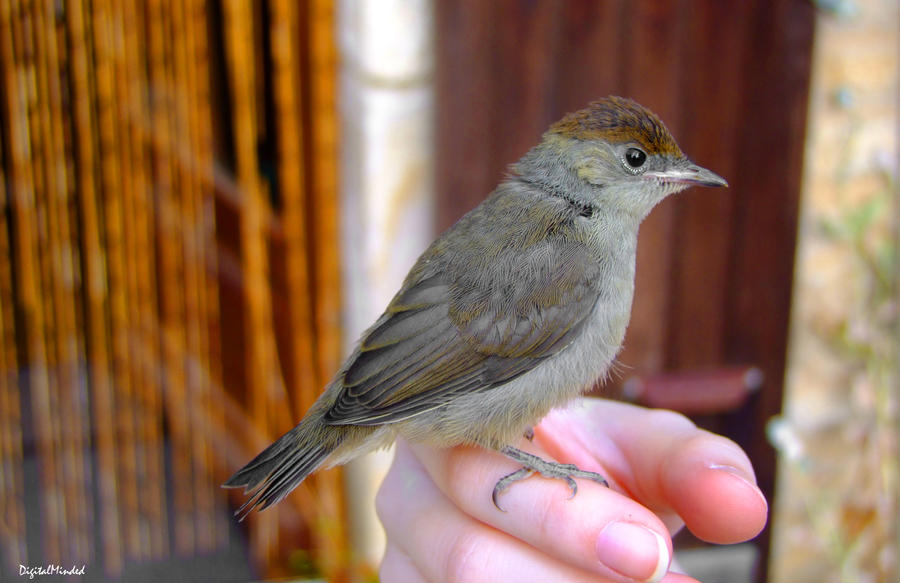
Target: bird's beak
689	174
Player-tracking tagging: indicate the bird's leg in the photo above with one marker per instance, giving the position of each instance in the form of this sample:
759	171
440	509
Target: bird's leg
532	463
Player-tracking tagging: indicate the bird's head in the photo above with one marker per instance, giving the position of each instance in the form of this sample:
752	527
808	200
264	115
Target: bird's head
614	153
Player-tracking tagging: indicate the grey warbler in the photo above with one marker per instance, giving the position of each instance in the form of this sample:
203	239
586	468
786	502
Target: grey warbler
519	307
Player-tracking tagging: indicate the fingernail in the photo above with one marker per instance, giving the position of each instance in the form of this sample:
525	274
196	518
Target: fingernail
733	471
633	551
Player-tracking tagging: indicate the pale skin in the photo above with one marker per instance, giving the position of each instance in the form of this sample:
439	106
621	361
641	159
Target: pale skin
664	474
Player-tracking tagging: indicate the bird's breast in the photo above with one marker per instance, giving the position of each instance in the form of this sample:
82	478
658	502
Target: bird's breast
498	416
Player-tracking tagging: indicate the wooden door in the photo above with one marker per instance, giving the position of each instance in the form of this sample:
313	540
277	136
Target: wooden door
730	79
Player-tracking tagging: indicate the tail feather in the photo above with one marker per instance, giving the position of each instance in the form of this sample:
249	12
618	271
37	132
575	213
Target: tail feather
277	470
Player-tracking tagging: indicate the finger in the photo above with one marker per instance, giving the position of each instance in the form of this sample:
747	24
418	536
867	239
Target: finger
397	567
667	463
598	530
447	545
716	499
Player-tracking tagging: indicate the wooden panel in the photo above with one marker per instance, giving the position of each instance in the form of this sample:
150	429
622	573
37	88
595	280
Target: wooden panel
764	227
651	73
730	79
587	54
700	267
466	102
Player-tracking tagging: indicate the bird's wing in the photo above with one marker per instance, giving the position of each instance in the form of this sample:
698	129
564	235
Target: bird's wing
442	338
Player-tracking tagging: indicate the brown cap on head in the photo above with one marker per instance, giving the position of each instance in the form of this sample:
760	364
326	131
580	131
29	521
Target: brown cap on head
618	120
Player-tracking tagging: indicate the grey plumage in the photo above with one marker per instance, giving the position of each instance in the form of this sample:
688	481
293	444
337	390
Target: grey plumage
517	308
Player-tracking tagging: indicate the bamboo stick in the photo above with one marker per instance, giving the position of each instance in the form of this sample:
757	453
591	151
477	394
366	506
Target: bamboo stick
324	166
102	397
323	188
292	177
171	271
122	255
198	34
197	388
75	280
239	48
132	83
47	413
144	539
204	240
116	185
183	159
12	500
76	398
44	406
64	416
23	120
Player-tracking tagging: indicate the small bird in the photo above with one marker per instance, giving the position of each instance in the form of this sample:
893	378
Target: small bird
518	308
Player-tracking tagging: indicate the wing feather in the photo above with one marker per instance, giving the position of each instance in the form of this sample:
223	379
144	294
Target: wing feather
441	338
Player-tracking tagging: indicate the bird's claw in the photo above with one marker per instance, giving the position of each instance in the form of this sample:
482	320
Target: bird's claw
532	463
505	482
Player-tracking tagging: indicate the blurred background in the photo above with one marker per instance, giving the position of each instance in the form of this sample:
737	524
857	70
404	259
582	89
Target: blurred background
202	204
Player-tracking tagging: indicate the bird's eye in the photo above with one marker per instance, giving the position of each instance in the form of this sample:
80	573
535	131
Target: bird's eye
635	158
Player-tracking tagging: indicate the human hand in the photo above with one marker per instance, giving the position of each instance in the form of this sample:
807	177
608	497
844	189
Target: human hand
663	472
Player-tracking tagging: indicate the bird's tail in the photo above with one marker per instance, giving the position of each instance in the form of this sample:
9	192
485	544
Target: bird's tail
280	468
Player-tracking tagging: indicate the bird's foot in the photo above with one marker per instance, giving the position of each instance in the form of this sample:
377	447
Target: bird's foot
532	463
